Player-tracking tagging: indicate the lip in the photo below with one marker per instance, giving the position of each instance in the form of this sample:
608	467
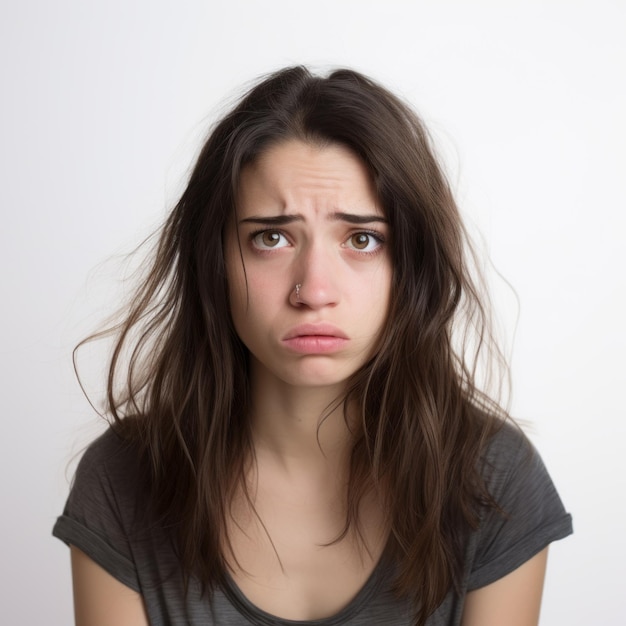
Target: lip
319	338
321	329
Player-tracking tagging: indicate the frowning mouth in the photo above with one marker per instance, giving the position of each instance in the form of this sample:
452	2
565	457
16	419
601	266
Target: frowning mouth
315	339
315	330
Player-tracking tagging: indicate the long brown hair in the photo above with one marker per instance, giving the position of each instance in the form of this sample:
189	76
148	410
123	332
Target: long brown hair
178	380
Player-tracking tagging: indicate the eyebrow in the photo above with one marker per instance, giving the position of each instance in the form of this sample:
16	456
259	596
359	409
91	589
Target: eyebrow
281	220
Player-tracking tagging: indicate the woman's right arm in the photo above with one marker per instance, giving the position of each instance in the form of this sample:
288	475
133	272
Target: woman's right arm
100	599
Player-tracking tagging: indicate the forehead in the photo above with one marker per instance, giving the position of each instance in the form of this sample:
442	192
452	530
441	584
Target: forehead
297	175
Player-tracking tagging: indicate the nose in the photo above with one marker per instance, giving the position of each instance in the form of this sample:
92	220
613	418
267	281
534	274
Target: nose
317	274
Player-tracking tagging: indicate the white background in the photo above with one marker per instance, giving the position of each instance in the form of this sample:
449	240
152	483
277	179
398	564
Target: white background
103	106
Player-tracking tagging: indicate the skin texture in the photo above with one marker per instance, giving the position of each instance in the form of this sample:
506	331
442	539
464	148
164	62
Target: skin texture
306	215
100	599
343	268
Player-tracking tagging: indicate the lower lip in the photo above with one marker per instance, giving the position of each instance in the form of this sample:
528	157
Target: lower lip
315	344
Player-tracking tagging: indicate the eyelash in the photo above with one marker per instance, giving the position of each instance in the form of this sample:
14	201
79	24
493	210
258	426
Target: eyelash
379	237
370	233
257	233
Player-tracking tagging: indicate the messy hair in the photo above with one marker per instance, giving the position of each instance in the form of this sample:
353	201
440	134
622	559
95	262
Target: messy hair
422	420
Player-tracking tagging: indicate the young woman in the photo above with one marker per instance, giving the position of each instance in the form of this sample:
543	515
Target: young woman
296	433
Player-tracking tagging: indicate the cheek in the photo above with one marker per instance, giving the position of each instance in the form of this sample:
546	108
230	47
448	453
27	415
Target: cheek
378	288
252	296
380	307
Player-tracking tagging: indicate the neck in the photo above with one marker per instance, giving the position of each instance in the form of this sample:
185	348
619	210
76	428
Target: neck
299	427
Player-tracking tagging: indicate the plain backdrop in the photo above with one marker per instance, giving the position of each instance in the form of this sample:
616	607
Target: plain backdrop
103	107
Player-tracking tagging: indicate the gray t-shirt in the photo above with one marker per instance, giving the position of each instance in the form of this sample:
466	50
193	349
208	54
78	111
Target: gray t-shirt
101	512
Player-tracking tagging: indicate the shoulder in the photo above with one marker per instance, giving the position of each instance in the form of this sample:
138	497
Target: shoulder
102	513
106	498
110	465
513	469
506	452
110	449
529	513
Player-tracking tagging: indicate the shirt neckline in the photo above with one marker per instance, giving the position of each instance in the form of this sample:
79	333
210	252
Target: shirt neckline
258	616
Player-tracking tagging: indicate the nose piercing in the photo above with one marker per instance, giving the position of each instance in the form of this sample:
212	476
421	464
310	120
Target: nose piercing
298	292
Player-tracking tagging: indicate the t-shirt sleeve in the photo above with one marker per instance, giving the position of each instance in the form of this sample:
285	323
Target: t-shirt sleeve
99	509
532	514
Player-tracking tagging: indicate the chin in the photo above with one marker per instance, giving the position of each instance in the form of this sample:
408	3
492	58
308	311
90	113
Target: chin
315	377
308	372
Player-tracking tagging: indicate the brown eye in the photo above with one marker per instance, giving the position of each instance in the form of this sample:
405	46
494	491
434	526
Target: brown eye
269	239
360	241
364	242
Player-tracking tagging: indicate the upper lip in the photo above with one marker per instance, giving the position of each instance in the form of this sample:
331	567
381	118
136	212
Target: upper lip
319	329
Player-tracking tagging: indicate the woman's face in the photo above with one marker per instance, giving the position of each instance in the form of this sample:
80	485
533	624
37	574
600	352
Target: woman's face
308	216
